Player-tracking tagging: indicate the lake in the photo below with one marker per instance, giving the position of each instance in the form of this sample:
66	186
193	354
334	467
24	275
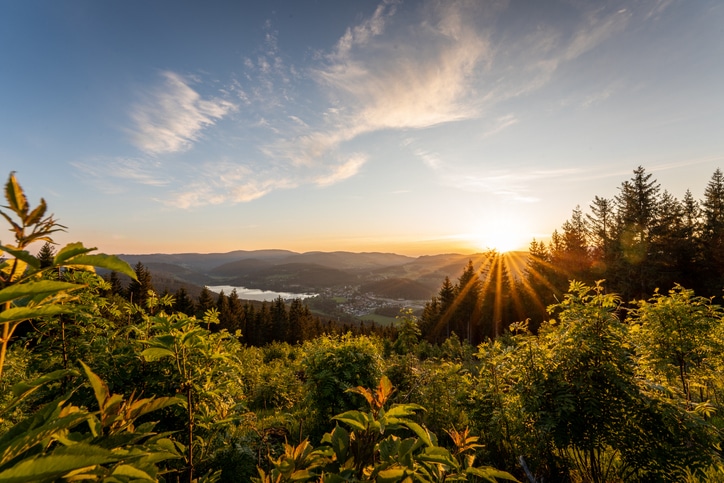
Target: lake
260	295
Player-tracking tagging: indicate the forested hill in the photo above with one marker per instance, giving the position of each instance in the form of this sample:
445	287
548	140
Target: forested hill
284	270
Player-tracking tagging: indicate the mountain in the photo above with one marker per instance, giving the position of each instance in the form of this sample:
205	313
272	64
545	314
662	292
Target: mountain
387	275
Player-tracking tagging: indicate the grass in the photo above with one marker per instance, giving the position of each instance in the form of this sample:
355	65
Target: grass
379	319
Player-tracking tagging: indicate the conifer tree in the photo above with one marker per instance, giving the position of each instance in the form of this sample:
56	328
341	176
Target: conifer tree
46	255
713	231
183	303
638	212
138	289
206	302
467	294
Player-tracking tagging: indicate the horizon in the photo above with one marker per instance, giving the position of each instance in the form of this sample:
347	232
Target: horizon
405	127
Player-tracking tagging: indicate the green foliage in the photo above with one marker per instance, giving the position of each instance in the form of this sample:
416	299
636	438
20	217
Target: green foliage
332	365
678	338
26	291
203	367
377	448
62	440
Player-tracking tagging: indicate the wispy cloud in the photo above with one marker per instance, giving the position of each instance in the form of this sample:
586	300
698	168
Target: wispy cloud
173	116
342	171
138	170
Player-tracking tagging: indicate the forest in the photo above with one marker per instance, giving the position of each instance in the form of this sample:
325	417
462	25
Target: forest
601	361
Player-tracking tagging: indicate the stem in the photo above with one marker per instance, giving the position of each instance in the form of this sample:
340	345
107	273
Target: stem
189	400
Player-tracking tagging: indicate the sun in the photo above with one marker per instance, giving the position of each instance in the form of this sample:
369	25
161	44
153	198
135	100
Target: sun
502	236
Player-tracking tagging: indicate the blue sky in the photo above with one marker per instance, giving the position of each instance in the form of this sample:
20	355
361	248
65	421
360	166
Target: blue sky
413	127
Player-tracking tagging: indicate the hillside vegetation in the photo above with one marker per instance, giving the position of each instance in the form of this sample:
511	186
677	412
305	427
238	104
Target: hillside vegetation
106	380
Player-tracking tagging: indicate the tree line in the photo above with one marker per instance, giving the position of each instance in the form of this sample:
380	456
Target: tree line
641	241
254	323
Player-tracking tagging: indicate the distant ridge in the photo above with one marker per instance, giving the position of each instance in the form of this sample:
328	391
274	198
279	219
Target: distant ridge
384	274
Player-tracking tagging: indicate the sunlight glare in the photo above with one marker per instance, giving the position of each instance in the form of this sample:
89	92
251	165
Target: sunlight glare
503	236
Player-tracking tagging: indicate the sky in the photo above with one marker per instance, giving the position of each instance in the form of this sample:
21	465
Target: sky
415	127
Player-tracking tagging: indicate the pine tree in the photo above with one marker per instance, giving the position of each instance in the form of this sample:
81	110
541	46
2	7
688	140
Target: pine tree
637	215
236	313
299	318
225	319
713	231
138	289
279	319
183	303
467	297
206	302
46	255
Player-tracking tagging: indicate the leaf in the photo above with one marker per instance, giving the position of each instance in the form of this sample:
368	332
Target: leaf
69	251
15	196
101	260
390	475
155	353
132	472
42	287
100	389
23	389
402	410
354	419
23	255
491	474
418	430
37	214
54	466
19	314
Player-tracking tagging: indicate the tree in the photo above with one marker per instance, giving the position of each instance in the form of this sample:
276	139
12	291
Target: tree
466	309
183	303
713	231
677	339
140	286
46	255
206	302
570	255
637	215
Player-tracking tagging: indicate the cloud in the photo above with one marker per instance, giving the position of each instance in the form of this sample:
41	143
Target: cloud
221	182
138	170
343	171
174	116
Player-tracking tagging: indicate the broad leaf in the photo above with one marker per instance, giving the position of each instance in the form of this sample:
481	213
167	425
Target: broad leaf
69	251
15	196
23	255
354	419
19	314
101	260
99	387
155	353
42	287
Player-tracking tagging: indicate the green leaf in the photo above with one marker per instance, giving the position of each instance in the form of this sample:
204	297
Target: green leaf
18	314
132	472
69	251
491	474
101	260
36	215
58	464
354	419
390	475
402	410
155	353
23	255
23	389
99	387
42	287
418	430
15	196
